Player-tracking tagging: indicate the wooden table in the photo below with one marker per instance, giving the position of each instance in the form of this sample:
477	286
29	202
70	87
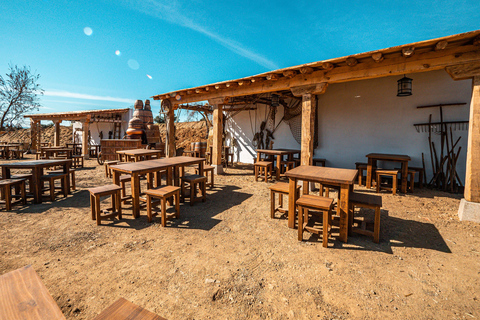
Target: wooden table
135	169
54	151
37	167
372	163
137	154
343	178
125	310
24	296
279	153
77	147
6	148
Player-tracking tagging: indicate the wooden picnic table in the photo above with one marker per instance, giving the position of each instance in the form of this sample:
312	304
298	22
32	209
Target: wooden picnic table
279	153
37	167
343	178
372	163
24	296
149	167
138	154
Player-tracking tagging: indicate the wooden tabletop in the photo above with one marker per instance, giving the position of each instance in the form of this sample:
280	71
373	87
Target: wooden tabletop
35	163
24	296
323	174
386	156
278	151
125	310
148	165
137	152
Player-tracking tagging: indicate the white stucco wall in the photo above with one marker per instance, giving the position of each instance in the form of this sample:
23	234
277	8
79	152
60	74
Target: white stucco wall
360	117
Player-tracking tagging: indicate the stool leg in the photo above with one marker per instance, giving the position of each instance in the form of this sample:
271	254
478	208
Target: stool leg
164	211
149	208
73	181
204	191
272	204
255	168
97	209
394	185
325	228
23	192
376	226
64	183
177	204
92	206
300	223
118	199
8	197
379	182
193	189
52	190
106	171
183	190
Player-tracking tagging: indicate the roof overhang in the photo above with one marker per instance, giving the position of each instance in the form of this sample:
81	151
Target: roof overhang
441	53
105	115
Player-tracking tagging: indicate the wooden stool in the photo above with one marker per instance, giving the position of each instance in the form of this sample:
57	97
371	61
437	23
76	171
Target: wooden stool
26	176
411	178
108	171
311	202
206	170
282	188
360	166
387	173
77	161
6	187
420	175
163	194
51	180
193	180
108	190
288	165
72	177
266	166
124	179
368	201
319	161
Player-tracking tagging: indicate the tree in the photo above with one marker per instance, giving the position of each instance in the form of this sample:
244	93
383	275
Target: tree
19	94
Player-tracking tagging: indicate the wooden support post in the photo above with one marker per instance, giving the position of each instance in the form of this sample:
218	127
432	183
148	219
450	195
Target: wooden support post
472	177
217	135
56	136
170	140
33	135
39	134
85	148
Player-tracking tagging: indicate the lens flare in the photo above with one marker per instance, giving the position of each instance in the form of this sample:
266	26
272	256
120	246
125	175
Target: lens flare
149	77
118	53
133	64
88	31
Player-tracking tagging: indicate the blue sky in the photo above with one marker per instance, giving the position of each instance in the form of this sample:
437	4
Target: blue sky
170	45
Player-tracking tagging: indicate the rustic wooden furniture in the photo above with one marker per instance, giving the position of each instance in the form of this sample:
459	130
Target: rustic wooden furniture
192	181
95	197
206	170
372	163
140	154
72	177
279	153
135	169
107	164
319	161
37	167
27	176
227	155
111	146
24	296
78	160
6	187
361	166
282	189
163	194
421	173
387	173
55	152
125	310
287	165
343	178
51	178
9	149
309	202
124	179
368	201
266	167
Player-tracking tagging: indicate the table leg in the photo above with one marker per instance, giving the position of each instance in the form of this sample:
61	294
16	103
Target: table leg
37	184
369	173
292	198
136	194
200	168
404	176
66	169
279	166
116	177
343	211
176	176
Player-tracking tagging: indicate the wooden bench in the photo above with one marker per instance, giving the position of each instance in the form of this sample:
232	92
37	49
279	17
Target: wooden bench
72	177
6	187
51	178
95	198
282	188
194	180
125	310
387	173
27	177
309	202
163	194
368	201
266	167
24	296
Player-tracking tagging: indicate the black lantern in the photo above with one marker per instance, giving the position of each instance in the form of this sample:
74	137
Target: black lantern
404	87
275	100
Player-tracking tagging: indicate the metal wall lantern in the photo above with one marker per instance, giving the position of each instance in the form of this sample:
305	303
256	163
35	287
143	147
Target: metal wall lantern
404	87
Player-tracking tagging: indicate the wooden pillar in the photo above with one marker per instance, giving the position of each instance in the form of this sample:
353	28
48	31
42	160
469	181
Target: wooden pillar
85	149
472	177
33	135
217	105
56	137
39	133
170	140
309	103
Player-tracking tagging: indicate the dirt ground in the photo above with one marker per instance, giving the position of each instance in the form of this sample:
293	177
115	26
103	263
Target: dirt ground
227	259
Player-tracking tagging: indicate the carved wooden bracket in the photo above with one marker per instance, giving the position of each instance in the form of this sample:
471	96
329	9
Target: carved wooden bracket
464	71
